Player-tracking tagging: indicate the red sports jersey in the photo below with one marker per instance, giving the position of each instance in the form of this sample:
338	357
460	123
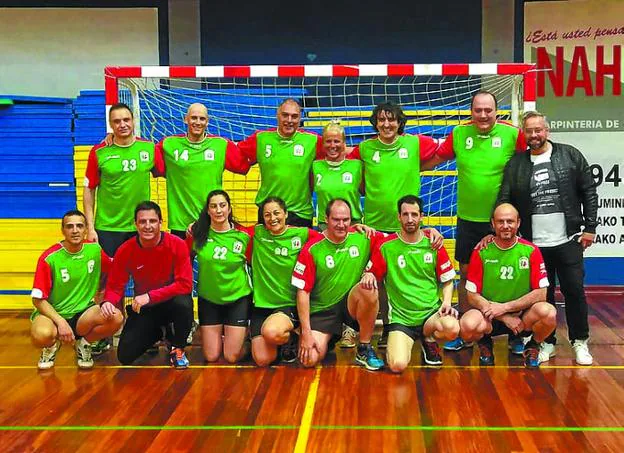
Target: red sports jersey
163	271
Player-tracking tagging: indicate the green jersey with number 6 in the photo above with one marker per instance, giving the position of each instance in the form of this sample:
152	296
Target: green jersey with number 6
328	270
222	262
411	272
502	275
338	180
69	281
273	261
121	175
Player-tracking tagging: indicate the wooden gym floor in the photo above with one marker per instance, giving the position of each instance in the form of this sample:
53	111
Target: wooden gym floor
337	407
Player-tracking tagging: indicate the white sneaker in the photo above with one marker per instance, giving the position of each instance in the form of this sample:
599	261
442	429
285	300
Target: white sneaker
581	350
348	339
83	354
546	351
46	361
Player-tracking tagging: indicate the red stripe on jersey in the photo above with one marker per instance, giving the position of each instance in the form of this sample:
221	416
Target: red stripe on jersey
236	71
400	69
290	71
345	71
455	69
183	71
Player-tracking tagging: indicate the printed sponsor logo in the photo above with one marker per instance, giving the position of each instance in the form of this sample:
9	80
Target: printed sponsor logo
144	156
496	142
300	267
77	257
113	156
298	150
347	178
296	243
403	154
209	154
238	247
446	265
354	252
488	261
140	266
523	262
428	257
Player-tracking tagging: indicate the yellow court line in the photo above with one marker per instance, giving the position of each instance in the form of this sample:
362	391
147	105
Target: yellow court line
306	419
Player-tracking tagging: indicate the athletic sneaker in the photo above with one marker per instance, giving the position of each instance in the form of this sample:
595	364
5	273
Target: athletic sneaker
431	352
100	347
348	339
289	350
581	351
486	353
367	357
84	357
516	345
178	359
546	351
456	345
382	343
531	355
46	361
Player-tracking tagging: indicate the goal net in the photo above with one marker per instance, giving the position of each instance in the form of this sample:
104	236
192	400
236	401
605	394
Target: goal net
243	99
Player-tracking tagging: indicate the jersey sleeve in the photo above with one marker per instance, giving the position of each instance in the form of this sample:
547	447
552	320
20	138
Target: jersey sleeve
378	265
445	150
428	147
444	266
92	174
539	276
355	153
42	284
189	243
159	159
249	231
248	148
182	276
320	151
474	279
521	144
304	274
235	160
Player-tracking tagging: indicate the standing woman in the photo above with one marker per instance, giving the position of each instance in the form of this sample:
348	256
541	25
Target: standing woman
223	251
276	247
336	177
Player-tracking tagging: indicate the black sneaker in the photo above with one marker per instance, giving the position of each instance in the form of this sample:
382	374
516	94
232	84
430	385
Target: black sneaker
290	350
431	353
486	352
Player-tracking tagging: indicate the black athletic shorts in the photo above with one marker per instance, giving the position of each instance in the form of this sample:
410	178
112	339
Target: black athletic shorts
331	320
468	236
73	322
110	241
414	332
259	315
233	314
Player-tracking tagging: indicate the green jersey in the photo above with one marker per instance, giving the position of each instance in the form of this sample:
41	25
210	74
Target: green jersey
390	172
338	180
285	165
411	272
69	281
121	175
273	261
193	170
222	262
328	271
502	275
481	159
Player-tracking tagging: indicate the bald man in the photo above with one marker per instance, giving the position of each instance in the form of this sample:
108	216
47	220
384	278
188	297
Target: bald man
506	285
193	164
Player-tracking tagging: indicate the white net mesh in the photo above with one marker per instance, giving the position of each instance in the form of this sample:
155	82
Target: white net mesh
238	107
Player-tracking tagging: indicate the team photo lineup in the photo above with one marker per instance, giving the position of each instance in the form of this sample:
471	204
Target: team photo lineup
289	289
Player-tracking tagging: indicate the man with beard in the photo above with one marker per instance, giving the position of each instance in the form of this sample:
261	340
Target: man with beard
555	193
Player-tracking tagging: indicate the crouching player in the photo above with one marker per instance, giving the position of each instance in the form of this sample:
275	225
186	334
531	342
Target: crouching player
67	281
412	269
506	287
326	276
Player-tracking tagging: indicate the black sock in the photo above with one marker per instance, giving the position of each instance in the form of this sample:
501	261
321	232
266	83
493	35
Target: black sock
362	346
531	344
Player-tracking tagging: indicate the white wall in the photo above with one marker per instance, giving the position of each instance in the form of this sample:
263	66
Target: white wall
60	51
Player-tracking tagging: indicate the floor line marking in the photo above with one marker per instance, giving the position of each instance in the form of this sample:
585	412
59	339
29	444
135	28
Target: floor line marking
306	419
300	445
412	367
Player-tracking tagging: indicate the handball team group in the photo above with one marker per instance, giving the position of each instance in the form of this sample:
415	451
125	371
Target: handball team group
283	291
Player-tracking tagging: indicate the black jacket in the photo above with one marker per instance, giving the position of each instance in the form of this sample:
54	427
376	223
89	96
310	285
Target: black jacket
576	188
